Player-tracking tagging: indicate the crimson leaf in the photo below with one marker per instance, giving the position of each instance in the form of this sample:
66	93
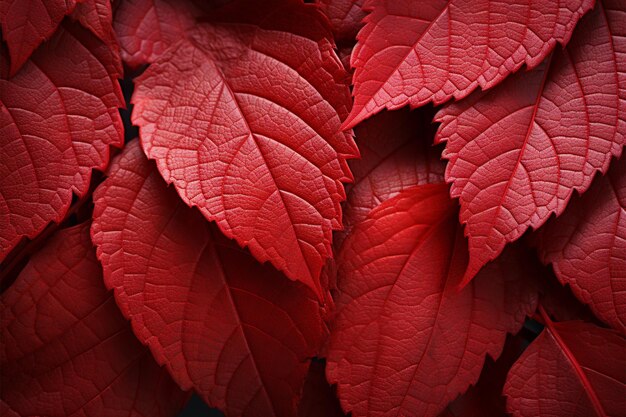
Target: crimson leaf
244	121
587	246
55	129
572	369
517	152
416	52
66	349
237	332
404	341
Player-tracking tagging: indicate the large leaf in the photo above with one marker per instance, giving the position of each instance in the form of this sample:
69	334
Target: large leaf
237	332
405	341
27	23
58	116
244	120
517	153
66	349
573	369
587	246
415	52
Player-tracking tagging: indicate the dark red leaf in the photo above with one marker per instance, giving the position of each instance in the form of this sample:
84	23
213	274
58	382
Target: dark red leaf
517	153
573	369
27	23
559	302
415	52
318	397
587	246
405	341
345	17
396	154
237	332
66	349
58	116
146	28
97	16
244	121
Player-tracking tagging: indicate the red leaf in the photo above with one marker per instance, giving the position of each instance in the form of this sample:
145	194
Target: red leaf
560	303
405	342
97	16
236	331
66	349
572	369
27	23
518	152
318	397
345	17
396	153
58	116
146	28
244	121
416	52
587	246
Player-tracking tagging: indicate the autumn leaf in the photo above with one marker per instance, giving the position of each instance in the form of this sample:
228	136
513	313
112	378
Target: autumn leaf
55	128
405	341
517	152
412	53
237	332
249	133
586	246
573	368
66	349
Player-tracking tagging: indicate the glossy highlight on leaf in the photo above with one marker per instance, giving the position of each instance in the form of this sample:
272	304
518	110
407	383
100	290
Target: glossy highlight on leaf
55	129
237	332
66	349
249	133
517	152
412	53
405	341
572	369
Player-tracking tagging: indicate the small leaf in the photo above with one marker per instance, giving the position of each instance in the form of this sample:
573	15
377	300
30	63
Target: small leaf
405	341
517	153
66	349
573	369
244	121
237	332
412	53
58	116
587	246
97	16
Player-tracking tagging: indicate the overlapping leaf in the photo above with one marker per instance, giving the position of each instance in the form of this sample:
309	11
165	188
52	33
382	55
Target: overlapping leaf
318	397
26	24
517	152
411	53
66	349
244	120
404	341
587	246
58	116
237	332
97	16
572	369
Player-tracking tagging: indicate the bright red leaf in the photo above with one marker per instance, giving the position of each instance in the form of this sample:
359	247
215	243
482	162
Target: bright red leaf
27	23
66	349
572	369
405	341
587	246
244	121
416	52
237	332
146	28
58	116
517	153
